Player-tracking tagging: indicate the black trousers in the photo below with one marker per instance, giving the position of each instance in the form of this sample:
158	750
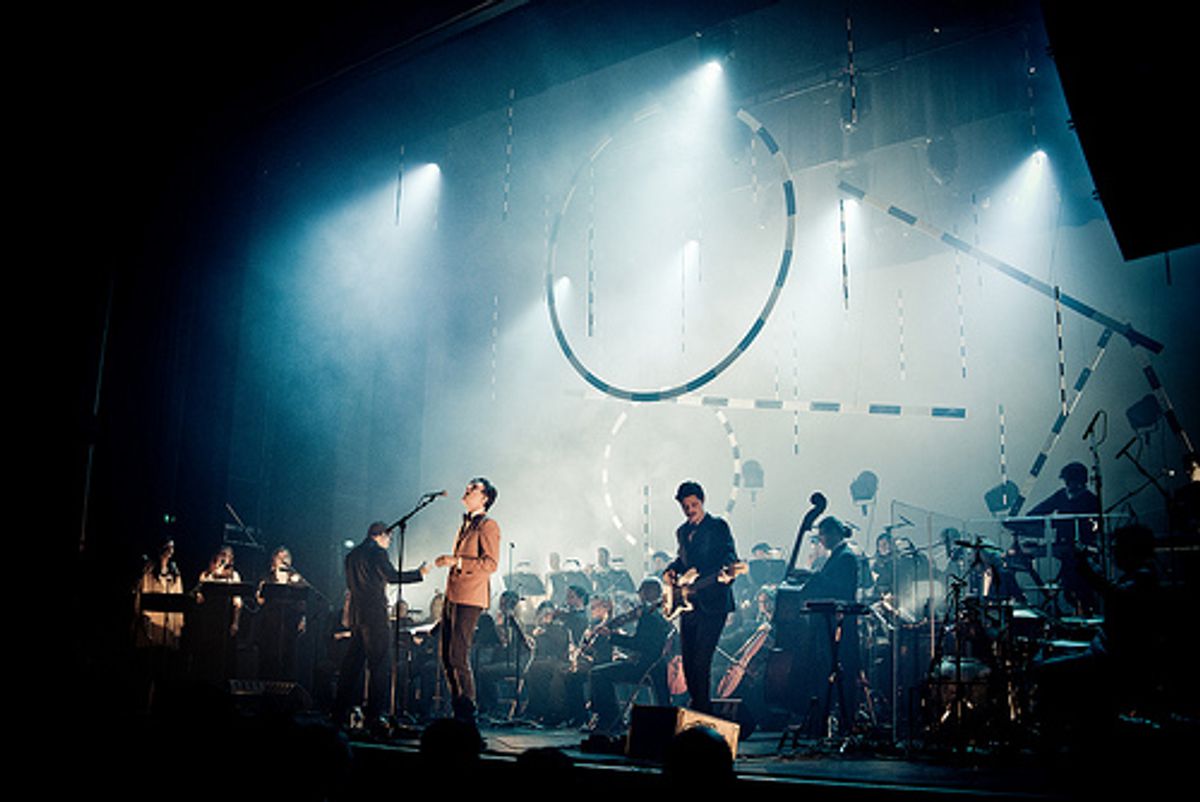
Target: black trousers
370	648
606	677
458	632
699	633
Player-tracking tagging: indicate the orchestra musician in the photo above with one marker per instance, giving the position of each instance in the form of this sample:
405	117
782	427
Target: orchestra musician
280	621
1073	498
574	616
645	648
592	649
706	545
475	557
837	581
221	569
546	675
213	628
159	575
157	632
605	578
502	651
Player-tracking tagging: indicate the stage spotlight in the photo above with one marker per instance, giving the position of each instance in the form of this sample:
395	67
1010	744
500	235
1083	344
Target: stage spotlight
715	44
752	475
1001	497
1144	414
863	489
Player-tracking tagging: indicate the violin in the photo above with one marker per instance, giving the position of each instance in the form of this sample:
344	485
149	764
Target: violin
592	634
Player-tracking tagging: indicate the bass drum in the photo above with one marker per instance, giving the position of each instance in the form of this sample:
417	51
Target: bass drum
958	687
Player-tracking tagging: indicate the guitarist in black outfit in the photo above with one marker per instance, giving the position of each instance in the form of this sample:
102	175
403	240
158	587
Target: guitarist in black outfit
705	544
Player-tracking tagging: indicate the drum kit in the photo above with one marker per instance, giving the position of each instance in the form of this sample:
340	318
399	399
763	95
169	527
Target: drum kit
958	646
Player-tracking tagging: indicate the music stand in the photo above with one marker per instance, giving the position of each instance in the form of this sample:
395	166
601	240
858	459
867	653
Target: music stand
767	572
166	603
292	596
525	584
222	594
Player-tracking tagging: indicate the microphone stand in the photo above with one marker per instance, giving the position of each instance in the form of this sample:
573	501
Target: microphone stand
1150	479
402	525
1094	447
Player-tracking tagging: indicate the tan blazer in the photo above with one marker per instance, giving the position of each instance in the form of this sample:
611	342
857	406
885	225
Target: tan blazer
478	545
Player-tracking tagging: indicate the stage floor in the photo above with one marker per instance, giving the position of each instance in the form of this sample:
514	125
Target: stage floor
826	769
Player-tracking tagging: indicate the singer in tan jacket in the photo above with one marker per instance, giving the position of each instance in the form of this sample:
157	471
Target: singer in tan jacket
468	591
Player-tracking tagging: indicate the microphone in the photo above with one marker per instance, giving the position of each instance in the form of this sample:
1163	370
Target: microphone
1092	425
435	494
1125	447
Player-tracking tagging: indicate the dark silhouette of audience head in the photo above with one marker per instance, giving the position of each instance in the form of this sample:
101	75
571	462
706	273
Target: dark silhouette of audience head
546	767
451	744
698	758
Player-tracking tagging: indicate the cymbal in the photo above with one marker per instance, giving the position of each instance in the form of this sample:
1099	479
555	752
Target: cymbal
977	545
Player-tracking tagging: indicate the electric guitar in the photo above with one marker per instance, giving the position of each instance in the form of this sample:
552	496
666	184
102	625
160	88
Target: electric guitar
677	594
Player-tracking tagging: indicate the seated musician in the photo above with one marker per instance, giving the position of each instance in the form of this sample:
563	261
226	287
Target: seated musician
545	701
575	615
645	649
606	578
502	651
592	649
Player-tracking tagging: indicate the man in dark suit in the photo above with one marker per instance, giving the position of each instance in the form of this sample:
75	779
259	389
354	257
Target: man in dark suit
706	545
475	558
838	582
369	570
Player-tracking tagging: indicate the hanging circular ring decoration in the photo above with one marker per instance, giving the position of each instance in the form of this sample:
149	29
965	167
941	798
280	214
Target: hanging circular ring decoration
735	455
789	197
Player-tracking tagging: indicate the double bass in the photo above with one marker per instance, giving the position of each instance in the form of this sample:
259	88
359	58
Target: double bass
786	682
818	502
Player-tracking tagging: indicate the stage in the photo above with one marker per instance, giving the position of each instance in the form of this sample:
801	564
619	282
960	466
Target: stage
850	769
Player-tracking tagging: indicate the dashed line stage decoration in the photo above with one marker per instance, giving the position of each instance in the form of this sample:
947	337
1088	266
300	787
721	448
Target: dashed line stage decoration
735	485
666	393
1060	423
1126	330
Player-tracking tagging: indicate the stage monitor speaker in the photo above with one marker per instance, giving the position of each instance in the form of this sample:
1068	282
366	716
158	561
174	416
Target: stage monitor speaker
652	727
267	696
